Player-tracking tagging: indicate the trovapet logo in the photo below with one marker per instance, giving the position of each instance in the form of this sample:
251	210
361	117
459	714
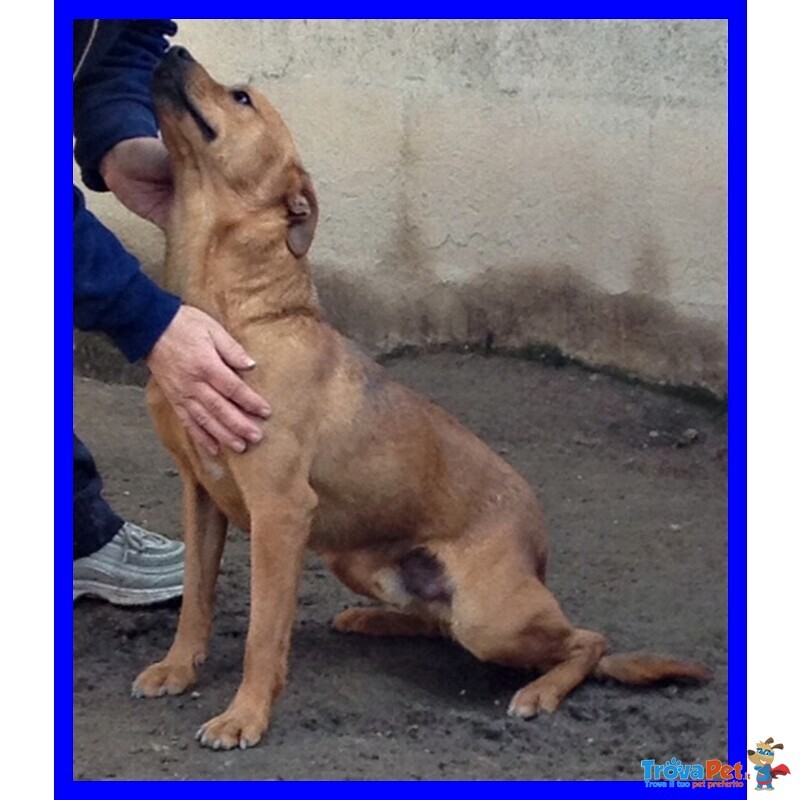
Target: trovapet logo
713	773
676	774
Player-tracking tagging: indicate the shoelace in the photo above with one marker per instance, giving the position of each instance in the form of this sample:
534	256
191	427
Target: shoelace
137	540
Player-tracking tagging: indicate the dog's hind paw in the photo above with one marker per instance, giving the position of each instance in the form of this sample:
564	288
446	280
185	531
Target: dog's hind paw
384	622
353	620
236	727
532	699
163	678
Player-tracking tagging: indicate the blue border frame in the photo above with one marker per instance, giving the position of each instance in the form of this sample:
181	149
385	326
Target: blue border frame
737	381
735	13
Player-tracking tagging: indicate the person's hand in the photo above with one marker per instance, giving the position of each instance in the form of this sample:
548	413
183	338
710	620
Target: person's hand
195	363
139	173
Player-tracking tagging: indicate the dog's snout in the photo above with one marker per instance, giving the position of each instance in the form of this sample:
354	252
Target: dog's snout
182	53
177	57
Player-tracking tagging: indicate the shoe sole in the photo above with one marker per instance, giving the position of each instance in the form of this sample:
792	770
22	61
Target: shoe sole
124	597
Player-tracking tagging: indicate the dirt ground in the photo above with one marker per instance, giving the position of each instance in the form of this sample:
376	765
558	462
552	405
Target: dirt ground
634	486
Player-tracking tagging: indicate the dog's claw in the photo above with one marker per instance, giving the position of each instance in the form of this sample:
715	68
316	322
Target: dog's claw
519	713
232	729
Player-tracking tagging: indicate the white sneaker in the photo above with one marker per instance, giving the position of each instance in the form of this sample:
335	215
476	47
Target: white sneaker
137	567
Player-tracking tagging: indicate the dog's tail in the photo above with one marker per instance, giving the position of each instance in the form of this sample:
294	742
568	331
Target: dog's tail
641	669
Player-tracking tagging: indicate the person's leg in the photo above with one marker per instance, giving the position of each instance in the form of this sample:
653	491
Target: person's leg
94	524
113	559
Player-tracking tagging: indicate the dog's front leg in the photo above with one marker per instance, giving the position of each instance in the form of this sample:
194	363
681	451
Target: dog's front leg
279	534
204	532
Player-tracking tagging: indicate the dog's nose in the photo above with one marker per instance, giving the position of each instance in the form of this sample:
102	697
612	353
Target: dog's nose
183	53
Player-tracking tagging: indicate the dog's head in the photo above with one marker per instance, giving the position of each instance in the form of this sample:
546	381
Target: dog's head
236	143
764	753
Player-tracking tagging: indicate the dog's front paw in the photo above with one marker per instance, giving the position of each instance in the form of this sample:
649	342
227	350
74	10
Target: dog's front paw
237	727
164	677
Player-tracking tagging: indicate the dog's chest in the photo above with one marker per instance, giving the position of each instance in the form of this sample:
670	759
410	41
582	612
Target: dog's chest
215	477
212	473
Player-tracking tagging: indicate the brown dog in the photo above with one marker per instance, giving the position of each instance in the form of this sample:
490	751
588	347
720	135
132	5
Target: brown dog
406	505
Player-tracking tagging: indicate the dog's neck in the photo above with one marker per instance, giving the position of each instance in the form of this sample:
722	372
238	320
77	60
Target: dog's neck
235	267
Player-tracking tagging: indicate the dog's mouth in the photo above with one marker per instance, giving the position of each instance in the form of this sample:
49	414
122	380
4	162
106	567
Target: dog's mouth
207	132
169	84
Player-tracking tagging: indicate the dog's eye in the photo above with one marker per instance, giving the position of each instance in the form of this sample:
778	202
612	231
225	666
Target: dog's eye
241	97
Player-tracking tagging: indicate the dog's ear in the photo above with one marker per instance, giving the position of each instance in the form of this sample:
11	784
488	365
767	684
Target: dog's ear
302	212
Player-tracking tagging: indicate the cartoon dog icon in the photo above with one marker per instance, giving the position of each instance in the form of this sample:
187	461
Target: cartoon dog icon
762	757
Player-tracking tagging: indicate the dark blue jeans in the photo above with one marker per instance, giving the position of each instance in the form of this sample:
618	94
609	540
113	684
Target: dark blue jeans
93	522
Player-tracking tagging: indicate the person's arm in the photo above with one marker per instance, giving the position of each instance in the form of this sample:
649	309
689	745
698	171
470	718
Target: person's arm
111	293
111	99
112	110
190	355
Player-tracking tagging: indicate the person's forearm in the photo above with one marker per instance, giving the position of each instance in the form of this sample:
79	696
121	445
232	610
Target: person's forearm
111	294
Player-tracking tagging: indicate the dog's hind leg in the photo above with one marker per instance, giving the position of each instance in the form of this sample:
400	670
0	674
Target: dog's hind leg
531	632
385	622
380	575
502	613
205	529
356	569
581	651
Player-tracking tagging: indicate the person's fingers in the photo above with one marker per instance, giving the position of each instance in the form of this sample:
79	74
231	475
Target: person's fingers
230	385
202	439
194	361
233	354
138	172
159	212
154	204
204	419
198	435
227	414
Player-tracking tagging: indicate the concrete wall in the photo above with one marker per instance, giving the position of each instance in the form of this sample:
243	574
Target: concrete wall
553	182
